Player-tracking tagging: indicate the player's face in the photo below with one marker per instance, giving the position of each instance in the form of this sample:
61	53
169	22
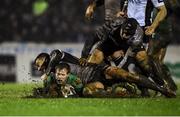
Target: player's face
39	64
61	75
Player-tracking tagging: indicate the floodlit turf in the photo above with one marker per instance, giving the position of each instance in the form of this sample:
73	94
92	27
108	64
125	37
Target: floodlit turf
13	103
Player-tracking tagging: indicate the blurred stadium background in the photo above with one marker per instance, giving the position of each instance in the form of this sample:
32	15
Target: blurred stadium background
28	27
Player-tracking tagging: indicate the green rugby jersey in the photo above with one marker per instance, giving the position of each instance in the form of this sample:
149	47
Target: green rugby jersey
72	80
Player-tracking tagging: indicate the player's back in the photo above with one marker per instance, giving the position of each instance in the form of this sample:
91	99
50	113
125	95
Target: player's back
88	73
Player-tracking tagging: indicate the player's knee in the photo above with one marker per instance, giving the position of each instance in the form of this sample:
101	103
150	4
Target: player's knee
98	85
116	72
90	88
95	85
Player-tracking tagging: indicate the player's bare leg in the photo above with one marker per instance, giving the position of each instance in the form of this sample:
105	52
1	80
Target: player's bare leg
140	80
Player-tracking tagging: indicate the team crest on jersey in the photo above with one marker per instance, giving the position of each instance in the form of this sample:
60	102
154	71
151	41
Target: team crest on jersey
135	1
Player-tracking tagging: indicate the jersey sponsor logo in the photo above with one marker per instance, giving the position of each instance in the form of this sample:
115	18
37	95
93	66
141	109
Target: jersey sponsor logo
135	1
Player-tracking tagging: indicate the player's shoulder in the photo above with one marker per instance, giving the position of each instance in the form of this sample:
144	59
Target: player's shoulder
50	78
72	77
157	3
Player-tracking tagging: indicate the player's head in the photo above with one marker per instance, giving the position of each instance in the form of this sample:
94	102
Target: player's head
41	62
128	28
62	71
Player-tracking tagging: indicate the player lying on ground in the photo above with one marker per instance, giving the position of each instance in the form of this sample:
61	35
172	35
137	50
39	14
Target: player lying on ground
65	84
61	83
97	73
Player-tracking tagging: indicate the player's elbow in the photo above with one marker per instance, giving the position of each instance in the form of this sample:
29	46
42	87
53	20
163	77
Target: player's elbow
163	11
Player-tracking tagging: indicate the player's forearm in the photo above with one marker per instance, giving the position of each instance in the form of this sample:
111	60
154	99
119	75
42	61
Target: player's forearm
162	12
92	5
90	10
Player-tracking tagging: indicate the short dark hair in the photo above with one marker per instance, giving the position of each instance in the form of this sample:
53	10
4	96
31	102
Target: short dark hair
63	65
130	25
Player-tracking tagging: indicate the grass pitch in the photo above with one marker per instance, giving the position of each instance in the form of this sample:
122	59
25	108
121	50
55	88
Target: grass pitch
13	103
